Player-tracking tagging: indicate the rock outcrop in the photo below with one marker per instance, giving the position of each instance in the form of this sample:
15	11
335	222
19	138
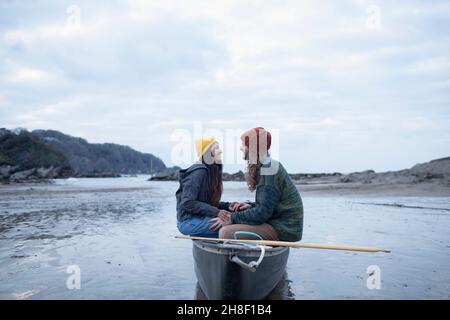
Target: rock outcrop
14	174
171	174
439	168
433	171
238	176
168	174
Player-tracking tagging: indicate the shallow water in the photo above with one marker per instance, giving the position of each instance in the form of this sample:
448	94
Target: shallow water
120	233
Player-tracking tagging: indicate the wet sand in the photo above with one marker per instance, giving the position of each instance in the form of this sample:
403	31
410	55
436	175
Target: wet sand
120	233
424	189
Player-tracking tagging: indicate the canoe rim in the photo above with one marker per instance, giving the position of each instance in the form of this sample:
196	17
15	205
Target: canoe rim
237	249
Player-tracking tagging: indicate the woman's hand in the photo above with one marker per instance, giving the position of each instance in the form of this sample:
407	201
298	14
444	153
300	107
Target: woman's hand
223	219
243	206
239	206
233	205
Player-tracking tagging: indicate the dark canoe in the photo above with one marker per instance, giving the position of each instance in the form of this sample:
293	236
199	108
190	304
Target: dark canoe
229	271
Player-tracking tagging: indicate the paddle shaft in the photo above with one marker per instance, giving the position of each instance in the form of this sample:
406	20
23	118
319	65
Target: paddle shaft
290	244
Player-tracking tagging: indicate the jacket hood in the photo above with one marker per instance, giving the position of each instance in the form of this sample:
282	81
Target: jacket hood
196	166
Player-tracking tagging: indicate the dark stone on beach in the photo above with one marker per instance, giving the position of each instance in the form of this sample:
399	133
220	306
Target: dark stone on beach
238	176
169	174
345	179
47	173
99	175
22	175
7	170
172	176
303	176
12	174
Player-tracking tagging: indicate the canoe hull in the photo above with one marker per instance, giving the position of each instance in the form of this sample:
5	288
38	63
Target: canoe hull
221	279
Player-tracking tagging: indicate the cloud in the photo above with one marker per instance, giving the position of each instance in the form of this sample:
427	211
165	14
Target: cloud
32	75
344	94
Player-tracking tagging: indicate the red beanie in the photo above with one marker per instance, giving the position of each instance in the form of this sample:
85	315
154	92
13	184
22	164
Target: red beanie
259	133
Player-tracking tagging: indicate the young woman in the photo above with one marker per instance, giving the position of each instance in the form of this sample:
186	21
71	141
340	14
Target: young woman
198	197
277	213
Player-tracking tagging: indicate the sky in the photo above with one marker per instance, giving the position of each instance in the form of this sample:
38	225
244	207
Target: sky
343	85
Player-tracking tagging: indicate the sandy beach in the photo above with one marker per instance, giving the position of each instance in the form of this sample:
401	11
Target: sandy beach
120	232
425	189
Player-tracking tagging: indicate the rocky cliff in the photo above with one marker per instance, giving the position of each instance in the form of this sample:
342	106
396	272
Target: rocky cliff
24	157
48	154
100	159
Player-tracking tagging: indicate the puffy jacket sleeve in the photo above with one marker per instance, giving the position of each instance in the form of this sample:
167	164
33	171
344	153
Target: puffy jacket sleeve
267	200
192	185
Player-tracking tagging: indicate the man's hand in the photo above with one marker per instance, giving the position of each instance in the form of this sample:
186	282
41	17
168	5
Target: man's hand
223	219
239	206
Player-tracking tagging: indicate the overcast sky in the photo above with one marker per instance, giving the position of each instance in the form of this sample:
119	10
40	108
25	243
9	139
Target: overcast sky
348	85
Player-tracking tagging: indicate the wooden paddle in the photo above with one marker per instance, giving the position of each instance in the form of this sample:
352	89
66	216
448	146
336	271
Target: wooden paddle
290	244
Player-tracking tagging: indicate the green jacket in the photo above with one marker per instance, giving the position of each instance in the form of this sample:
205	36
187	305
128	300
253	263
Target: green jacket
277	203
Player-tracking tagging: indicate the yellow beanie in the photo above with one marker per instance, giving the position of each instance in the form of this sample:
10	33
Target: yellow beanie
202	144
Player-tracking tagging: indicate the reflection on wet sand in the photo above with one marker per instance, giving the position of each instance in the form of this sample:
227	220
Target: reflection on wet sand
282	291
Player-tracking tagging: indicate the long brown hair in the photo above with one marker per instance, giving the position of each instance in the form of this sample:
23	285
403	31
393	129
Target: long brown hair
215	179
254	169
215	182
253	175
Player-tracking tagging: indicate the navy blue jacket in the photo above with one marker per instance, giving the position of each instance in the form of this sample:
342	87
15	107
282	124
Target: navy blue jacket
194	194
